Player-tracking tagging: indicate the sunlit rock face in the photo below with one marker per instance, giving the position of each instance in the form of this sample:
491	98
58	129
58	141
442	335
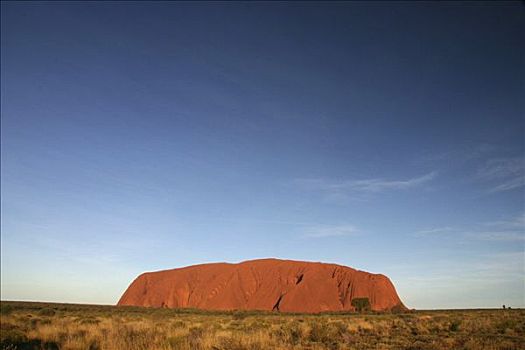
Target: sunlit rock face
266	284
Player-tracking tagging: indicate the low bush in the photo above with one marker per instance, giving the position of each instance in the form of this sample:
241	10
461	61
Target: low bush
47	312
361	304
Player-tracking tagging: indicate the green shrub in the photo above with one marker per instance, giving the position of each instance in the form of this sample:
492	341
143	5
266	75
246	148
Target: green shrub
178	324
226	343
454	326
505	324
47	312
94	345
289	333
239	315
177	342
399	308
361	304
11	336
89	320
329	334
35	322
6	309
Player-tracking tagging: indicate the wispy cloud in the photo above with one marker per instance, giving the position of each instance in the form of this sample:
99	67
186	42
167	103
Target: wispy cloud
373	185
456	156
435	231
503	174
515	222
497	236
329	231
504	230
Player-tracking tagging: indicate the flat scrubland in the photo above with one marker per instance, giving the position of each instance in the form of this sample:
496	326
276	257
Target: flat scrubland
68	326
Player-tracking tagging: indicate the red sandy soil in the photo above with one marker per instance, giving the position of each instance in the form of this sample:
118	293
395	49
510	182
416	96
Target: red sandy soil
266	284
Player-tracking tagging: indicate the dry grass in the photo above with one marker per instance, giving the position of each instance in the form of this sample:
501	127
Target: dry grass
61	326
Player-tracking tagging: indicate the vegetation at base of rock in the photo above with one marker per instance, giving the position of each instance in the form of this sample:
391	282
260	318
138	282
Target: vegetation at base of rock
68	327
361	304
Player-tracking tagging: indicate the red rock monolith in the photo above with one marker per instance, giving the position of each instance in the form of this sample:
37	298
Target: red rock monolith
266	284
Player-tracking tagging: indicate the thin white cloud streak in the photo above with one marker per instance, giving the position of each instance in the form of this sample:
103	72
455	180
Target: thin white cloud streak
434	231
458	155
479	268
330	231
363	185
509	185
497	236
506	230
516	222
503	174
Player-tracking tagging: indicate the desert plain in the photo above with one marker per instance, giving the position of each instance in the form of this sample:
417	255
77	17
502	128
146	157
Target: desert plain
28	325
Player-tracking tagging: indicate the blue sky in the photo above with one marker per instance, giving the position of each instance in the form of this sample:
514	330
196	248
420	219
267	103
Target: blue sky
384	136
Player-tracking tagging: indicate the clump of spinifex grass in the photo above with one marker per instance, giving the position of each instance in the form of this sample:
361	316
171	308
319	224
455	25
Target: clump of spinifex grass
61	326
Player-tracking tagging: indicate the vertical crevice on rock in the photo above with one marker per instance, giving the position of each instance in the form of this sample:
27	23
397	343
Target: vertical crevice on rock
299	279
189	296
343	293
276	306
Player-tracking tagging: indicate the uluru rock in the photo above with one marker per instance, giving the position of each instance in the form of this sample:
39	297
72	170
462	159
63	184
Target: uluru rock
266	284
